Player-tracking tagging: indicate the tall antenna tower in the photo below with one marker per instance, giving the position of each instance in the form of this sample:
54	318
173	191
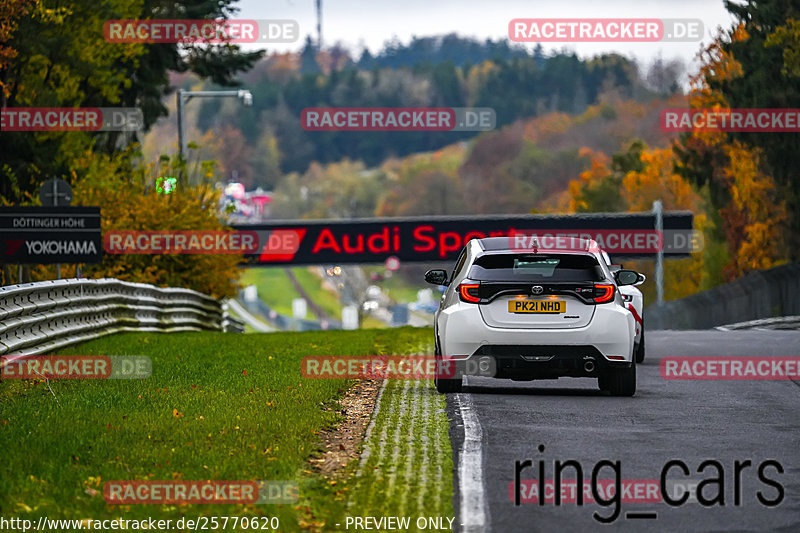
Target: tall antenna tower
319	25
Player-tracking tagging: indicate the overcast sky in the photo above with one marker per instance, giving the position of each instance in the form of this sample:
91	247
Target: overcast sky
369	23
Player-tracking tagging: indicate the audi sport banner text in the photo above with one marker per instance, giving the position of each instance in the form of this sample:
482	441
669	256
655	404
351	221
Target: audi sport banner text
432	239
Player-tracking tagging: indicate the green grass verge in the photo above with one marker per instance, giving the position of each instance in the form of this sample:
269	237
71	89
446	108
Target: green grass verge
407	464
408	470
326	299
274	288
218	406
371	322
397	288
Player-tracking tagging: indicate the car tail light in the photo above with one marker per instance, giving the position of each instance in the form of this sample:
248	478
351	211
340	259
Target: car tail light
469	292
603	293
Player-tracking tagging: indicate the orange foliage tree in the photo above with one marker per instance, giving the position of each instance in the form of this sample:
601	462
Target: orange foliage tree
596	189
751	212
128	200
10	13
632	180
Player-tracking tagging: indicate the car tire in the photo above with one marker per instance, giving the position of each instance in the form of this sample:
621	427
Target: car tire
444	385
639	351
620	383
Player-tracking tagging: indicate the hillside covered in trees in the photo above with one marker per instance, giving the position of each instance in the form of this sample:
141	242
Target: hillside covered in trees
573	134
262	142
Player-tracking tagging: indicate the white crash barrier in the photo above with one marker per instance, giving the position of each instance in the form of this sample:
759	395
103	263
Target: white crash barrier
40	317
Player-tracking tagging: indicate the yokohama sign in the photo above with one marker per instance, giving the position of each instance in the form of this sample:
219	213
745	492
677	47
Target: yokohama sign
46	235
431	239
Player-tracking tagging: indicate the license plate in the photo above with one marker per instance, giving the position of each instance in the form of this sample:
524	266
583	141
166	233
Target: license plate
537	306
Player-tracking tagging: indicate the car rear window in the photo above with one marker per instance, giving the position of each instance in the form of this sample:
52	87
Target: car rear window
536	267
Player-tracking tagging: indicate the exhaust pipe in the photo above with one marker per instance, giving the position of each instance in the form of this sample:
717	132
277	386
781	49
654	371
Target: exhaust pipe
588	366
483	364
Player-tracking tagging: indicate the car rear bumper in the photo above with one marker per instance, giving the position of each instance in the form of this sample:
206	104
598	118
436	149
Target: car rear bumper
608	338
538	362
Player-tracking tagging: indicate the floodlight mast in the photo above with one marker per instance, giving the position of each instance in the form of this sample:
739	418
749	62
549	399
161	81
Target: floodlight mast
184	96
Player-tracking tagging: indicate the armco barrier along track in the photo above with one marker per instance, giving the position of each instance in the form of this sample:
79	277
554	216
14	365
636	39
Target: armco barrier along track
41	317
764	294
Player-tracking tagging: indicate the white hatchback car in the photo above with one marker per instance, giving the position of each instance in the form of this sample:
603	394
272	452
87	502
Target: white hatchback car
534	314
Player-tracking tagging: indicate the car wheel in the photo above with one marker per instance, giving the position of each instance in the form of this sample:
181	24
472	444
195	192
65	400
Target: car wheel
620	383
444	385
639	352
623	382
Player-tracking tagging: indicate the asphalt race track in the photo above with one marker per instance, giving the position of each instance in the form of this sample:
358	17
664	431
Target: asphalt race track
693	421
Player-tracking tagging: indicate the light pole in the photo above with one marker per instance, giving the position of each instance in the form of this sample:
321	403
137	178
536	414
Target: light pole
658	211
184	96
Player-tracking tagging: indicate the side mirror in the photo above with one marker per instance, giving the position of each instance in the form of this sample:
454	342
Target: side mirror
436	277
641	279
627	277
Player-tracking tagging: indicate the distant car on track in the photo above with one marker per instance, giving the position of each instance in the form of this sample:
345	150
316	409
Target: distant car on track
535	313
635	302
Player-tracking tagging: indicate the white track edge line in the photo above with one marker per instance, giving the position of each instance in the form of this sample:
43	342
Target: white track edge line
472	491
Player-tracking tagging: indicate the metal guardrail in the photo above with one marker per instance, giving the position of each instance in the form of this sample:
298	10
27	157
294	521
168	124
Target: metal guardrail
762	294
282	322
248	318
40	317
781	322
229	323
